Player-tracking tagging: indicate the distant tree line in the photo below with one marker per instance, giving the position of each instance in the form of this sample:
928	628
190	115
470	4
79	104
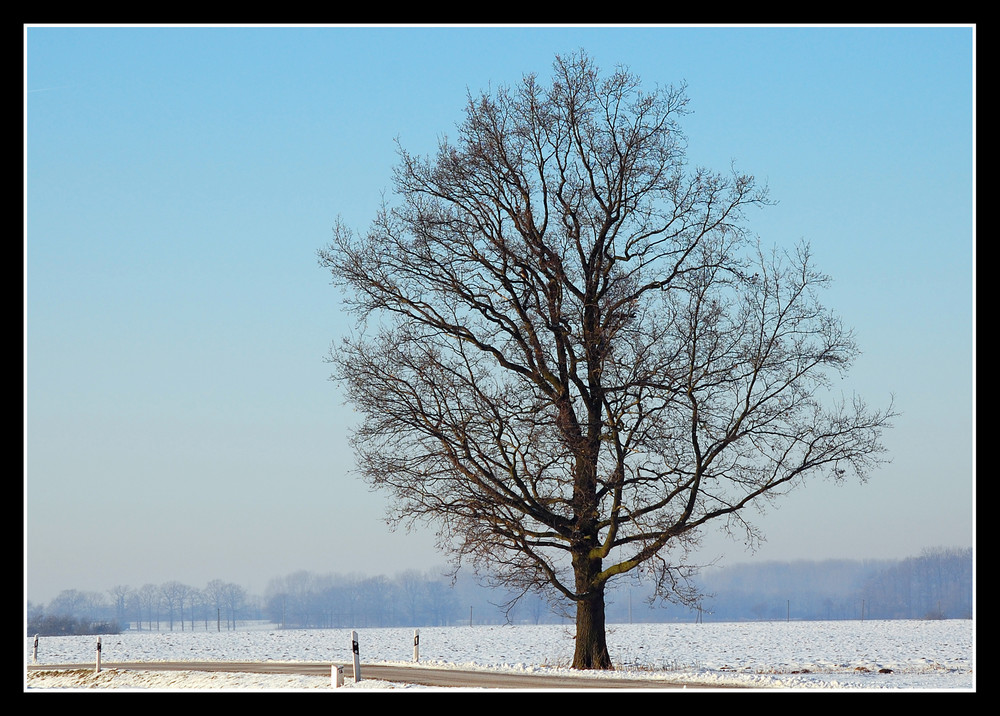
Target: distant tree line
411	598
306	600
935	585
171	605
60	625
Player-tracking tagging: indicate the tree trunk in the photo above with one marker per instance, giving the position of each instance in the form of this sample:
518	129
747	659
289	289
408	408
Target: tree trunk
591	639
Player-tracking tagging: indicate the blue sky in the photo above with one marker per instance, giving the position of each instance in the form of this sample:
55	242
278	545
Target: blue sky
179	420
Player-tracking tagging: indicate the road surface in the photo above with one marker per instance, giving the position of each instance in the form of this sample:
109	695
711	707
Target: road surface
399	674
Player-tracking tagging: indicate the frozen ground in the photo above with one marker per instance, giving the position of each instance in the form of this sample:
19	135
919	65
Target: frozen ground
907	655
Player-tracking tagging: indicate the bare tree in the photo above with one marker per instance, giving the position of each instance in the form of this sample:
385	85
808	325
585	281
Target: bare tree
196	600
175	594
412	589
234	598
121	594
150	599
225	597
215	595
572	355
71	603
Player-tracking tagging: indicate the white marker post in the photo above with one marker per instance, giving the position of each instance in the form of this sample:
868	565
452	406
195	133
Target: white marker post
357	659
98	669
337	675
34	651
416	645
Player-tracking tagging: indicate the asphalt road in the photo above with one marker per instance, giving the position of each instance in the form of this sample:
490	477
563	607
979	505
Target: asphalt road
399	674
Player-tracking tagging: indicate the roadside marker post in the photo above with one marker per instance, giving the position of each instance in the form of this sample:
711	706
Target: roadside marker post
34	651
98	669
416	645
357	658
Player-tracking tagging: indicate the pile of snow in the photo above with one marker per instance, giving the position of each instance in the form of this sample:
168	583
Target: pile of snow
934	655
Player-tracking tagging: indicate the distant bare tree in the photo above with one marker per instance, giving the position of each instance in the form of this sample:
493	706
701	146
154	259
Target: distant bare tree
196	604
121	594
234	597
175	595
214	593
150	600
70	603
573	357
412	588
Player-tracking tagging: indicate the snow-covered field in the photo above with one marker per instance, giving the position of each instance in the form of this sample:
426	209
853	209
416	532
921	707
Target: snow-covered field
909	655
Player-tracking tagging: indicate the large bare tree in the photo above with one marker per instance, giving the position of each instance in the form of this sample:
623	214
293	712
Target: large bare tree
571	355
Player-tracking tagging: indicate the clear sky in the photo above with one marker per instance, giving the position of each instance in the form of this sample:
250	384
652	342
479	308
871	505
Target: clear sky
179	421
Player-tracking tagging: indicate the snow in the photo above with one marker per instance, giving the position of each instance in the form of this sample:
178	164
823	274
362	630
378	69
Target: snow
919	655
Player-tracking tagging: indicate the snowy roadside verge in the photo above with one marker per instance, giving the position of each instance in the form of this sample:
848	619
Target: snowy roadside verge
153	680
